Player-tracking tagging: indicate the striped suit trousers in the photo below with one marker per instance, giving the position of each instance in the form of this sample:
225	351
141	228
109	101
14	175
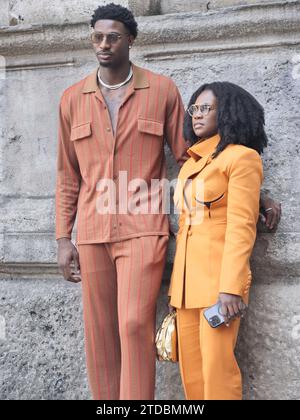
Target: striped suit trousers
120	287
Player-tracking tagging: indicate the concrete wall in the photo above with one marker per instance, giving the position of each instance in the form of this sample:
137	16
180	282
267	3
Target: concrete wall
177	6
56	11
45	49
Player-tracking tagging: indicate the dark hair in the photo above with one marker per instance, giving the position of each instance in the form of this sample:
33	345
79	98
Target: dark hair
116	12
240	118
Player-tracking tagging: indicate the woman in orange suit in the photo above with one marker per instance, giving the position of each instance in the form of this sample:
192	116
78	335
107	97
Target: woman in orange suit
217	195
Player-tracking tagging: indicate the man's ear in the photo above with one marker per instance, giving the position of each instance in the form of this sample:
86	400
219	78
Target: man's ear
131	41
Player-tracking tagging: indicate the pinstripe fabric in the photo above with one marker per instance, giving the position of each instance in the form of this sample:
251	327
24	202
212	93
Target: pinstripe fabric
88	152
120	285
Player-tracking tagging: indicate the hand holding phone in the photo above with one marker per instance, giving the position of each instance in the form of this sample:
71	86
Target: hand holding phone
214	316
227	308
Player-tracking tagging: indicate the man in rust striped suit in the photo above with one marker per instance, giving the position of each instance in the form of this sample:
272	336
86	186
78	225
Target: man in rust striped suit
113	125
112	128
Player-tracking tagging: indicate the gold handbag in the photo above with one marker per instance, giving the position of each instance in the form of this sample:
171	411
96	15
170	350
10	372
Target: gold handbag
166	339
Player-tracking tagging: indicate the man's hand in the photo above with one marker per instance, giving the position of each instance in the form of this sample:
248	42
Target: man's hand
232	306
66	255
271	212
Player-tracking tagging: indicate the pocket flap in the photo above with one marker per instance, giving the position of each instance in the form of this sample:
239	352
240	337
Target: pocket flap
81	131
151	127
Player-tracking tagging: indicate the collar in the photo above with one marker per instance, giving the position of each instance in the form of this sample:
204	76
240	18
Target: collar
140	80
204	147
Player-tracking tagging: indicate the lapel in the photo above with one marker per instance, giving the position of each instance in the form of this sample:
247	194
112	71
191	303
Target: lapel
186	172
195	167
201	156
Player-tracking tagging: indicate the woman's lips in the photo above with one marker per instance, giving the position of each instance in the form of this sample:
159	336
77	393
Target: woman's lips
198	125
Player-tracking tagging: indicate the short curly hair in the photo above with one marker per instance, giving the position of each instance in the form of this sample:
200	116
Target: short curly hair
240	117
113	11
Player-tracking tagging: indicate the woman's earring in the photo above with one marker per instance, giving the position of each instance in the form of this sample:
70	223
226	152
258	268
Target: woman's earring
130	46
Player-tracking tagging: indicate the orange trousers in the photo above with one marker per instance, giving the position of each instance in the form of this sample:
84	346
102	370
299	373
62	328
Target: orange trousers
120	287
208	367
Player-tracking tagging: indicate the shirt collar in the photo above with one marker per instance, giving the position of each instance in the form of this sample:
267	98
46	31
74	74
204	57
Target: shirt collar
204	147
140	80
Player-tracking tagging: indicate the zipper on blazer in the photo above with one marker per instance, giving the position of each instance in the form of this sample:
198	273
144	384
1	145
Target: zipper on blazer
209	203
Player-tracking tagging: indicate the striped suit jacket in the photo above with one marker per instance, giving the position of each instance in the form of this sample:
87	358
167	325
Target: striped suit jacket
88	152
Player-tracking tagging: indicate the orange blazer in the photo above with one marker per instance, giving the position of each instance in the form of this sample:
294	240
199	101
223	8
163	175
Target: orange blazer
217	224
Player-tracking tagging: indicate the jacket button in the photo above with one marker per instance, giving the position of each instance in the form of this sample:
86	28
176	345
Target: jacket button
190	233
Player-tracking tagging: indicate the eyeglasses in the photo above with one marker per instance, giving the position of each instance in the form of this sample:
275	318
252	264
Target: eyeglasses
204	109
111	38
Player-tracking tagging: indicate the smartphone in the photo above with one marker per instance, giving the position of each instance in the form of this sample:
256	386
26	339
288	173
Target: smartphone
214	316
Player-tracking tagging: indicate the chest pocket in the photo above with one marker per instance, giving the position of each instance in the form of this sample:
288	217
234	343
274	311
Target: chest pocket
154	128
150	139
80	138
81	131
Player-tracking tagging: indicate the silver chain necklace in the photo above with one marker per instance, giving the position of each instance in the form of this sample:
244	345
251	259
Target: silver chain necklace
114	87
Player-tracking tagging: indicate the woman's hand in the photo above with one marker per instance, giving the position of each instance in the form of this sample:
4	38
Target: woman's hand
232	306
272	212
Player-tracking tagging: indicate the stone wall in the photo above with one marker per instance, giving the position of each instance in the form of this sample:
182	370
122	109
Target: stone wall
45	48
